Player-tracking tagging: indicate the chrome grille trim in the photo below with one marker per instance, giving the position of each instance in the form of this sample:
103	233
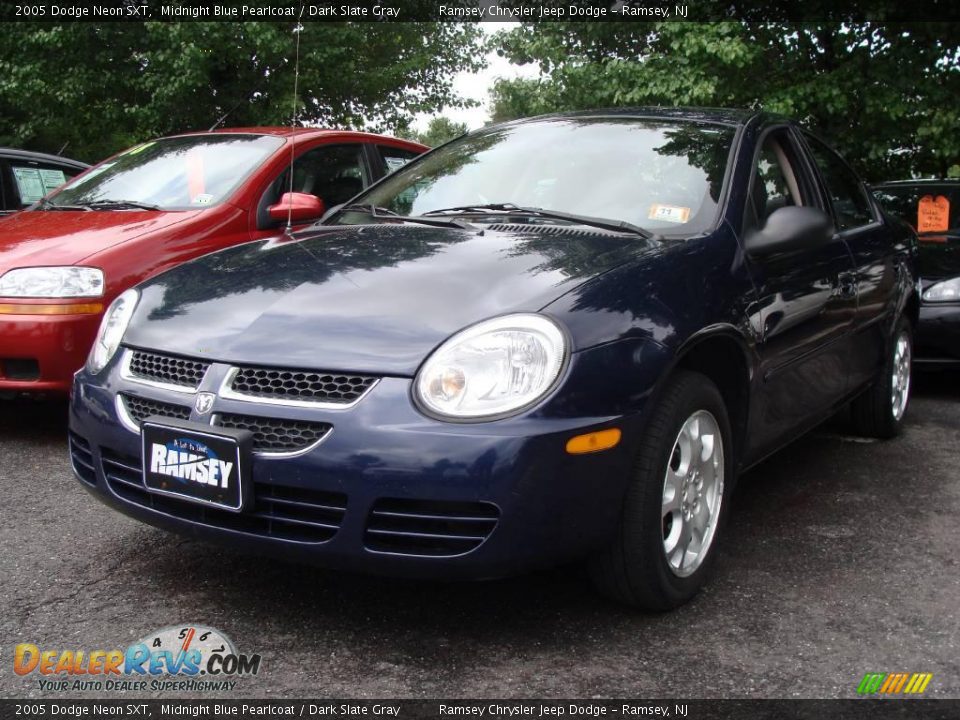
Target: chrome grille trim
127	374
134	426
227	392
215	421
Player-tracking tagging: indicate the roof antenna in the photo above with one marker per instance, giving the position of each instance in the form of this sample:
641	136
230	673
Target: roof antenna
229	112
293	124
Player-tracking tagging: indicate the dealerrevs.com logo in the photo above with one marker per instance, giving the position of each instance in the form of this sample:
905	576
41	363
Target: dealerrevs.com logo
177	658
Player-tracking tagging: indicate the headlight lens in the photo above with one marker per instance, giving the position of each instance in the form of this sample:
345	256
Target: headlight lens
52	282
492	368
946	291
112	327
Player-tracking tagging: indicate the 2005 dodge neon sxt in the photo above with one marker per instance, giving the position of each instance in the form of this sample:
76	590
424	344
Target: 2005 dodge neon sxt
553	338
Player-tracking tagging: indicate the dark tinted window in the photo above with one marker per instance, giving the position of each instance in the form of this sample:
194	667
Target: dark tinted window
778	180
904	201
849	198
334	173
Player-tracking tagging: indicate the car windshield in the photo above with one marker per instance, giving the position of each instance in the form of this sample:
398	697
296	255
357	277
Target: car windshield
927	207
660	175
177	173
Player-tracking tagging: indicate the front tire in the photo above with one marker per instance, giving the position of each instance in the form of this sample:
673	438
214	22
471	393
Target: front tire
676	504
879	411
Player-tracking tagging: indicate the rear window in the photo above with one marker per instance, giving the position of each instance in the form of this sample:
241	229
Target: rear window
926	208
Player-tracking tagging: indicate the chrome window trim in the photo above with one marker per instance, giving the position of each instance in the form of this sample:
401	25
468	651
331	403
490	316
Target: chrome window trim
228	393
129	376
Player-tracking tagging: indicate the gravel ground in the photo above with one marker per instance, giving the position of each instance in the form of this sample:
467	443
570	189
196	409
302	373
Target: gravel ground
840	558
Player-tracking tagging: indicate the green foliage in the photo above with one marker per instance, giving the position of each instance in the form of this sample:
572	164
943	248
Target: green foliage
439	130
883	94
102	87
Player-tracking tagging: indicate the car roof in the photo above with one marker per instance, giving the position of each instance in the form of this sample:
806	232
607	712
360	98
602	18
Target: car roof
723	116
921	181
40	157
298	133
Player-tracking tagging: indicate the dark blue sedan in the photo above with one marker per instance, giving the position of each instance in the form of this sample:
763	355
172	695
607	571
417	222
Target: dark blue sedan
551	339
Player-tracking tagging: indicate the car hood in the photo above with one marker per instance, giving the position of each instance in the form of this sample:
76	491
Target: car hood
939	257
372	298
46	237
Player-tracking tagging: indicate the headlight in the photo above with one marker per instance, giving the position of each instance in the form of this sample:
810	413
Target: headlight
52	282
946	291
495	367
112	327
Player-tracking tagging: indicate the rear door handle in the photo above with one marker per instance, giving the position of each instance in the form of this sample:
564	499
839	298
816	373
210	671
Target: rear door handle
847	285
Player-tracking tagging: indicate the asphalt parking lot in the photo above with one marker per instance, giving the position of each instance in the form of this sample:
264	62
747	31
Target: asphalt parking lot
840	558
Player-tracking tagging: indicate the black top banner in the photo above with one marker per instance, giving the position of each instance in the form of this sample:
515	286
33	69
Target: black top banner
619	11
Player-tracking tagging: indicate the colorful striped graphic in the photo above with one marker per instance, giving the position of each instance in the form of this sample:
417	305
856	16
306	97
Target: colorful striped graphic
894	683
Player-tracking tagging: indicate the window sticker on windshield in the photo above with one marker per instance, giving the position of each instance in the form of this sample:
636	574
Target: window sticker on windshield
29	184
52	179
933	214
669	213
202	199
139	148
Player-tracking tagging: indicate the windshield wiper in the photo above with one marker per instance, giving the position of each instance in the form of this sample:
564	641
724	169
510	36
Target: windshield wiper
120	205
382	213
370	209
44	204
511	209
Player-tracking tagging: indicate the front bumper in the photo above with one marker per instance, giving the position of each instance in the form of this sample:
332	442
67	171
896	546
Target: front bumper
491	499
938	334
57	345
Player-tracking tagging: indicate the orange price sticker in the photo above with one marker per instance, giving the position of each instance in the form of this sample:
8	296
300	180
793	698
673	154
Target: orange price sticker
933	214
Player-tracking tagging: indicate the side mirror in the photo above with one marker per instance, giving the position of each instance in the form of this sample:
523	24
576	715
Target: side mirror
299	207
787	229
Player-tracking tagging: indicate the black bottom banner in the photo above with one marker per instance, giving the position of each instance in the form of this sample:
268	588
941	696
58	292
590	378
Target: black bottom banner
496	709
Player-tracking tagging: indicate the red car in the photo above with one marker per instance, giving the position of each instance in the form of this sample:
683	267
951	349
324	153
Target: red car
158	204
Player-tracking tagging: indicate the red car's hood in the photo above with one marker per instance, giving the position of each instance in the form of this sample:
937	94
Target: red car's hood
46	237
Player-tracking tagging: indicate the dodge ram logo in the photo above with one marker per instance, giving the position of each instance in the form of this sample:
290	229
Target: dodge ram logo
204	403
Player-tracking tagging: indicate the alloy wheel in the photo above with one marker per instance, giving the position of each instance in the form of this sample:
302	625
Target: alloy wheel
692	493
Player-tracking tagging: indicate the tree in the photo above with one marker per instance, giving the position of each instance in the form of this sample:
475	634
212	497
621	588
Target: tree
439	130
882	93
101	87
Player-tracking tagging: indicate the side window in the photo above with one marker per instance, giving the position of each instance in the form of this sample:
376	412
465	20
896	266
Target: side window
34	180
777	181
334	173
395	158
846	192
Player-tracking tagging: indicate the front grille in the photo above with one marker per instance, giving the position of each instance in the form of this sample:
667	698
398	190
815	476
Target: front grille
278	511
81	458
167	369
429	527
273	435
139	409
300	385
